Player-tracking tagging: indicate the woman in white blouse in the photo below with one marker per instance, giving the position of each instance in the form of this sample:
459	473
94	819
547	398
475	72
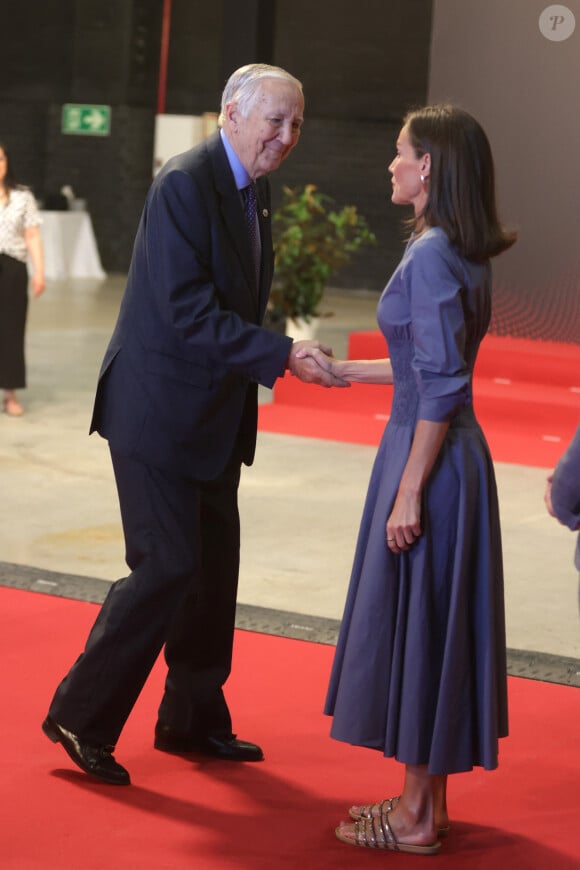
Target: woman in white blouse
19	239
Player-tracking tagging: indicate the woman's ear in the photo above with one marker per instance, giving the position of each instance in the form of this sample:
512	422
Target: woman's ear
426	165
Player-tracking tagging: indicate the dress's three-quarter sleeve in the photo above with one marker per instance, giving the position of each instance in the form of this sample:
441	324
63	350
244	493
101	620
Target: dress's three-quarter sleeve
435	288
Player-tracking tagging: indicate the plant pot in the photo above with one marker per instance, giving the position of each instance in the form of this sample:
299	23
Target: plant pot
301	329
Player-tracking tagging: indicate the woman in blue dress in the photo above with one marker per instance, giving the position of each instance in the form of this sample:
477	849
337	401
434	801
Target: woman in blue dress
420	665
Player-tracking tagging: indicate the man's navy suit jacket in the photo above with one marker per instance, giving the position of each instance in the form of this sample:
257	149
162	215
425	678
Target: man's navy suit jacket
178	384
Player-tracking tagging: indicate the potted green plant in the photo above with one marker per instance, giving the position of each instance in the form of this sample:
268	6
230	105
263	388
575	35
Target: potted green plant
312	240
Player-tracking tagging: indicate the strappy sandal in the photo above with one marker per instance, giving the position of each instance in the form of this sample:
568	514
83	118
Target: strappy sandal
373	811
376	833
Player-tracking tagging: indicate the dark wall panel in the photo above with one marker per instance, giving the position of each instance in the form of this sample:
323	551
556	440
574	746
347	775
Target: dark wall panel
194	73
363	60
36	54
116	52
24	132
35	69
362	65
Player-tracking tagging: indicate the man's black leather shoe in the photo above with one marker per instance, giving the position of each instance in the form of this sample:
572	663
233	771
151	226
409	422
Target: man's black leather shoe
224	748
92	758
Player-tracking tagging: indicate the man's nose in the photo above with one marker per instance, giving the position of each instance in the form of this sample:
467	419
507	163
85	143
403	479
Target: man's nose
287	133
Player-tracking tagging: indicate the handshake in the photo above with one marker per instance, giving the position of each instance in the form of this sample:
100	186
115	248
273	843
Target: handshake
313	363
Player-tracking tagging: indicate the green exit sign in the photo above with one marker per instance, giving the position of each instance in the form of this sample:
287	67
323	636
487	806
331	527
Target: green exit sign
86	120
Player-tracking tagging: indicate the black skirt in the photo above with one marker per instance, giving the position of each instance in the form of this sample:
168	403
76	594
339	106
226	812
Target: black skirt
13	309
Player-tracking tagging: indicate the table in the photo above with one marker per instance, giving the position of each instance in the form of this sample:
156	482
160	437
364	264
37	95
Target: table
70	247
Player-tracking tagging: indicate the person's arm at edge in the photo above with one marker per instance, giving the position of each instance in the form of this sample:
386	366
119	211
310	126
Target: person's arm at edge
33	243
563	488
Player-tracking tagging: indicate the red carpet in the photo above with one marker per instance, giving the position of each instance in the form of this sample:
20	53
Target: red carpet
526	396
203	815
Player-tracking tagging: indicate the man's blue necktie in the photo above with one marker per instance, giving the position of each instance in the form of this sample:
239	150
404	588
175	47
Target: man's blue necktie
250	214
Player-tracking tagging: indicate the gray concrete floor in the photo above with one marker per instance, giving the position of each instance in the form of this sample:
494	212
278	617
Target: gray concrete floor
300	502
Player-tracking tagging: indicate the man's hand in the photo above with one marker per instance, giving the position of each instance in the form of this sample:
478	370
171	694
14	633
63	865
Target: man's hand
312	370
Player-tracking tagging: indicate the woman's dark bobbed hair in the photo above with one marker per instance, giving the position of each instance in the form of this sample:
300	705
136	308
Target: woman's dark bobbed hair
461	192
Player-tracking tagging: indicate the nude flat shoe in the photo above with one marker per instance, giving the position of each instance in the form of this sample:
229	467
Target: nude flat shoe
13	408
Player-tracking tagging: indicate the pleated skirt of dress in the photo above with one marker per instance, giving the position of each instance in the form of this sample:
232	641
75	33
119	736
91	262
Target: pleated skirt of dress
420	666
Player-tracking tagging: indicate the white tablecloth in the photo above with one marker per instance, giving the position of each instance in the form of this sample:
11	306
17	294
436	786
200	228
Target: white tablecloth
70	247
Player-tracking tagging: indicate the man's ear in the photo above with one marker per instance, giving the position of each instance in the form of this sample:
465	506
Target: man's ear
232	112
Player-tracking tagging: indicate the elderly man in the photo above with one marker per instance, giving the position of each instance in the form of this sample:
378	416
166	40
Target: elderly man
177	402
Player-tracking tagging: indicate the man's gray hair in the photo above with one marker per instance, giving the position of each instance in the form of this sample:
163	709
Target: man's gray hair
243	85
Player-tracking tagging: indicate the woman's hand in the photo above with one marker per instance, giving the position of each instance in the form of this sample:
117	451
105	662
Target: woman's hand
404	524
548	497
362	371
38	285
324	359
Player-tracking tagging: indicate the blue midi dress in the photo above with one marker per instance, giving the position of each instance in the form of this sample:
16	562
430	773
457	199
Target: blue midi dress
420	666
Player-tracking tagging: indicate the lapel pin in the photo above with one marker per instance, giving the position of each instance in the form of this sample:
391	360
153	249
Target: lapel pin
265	212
